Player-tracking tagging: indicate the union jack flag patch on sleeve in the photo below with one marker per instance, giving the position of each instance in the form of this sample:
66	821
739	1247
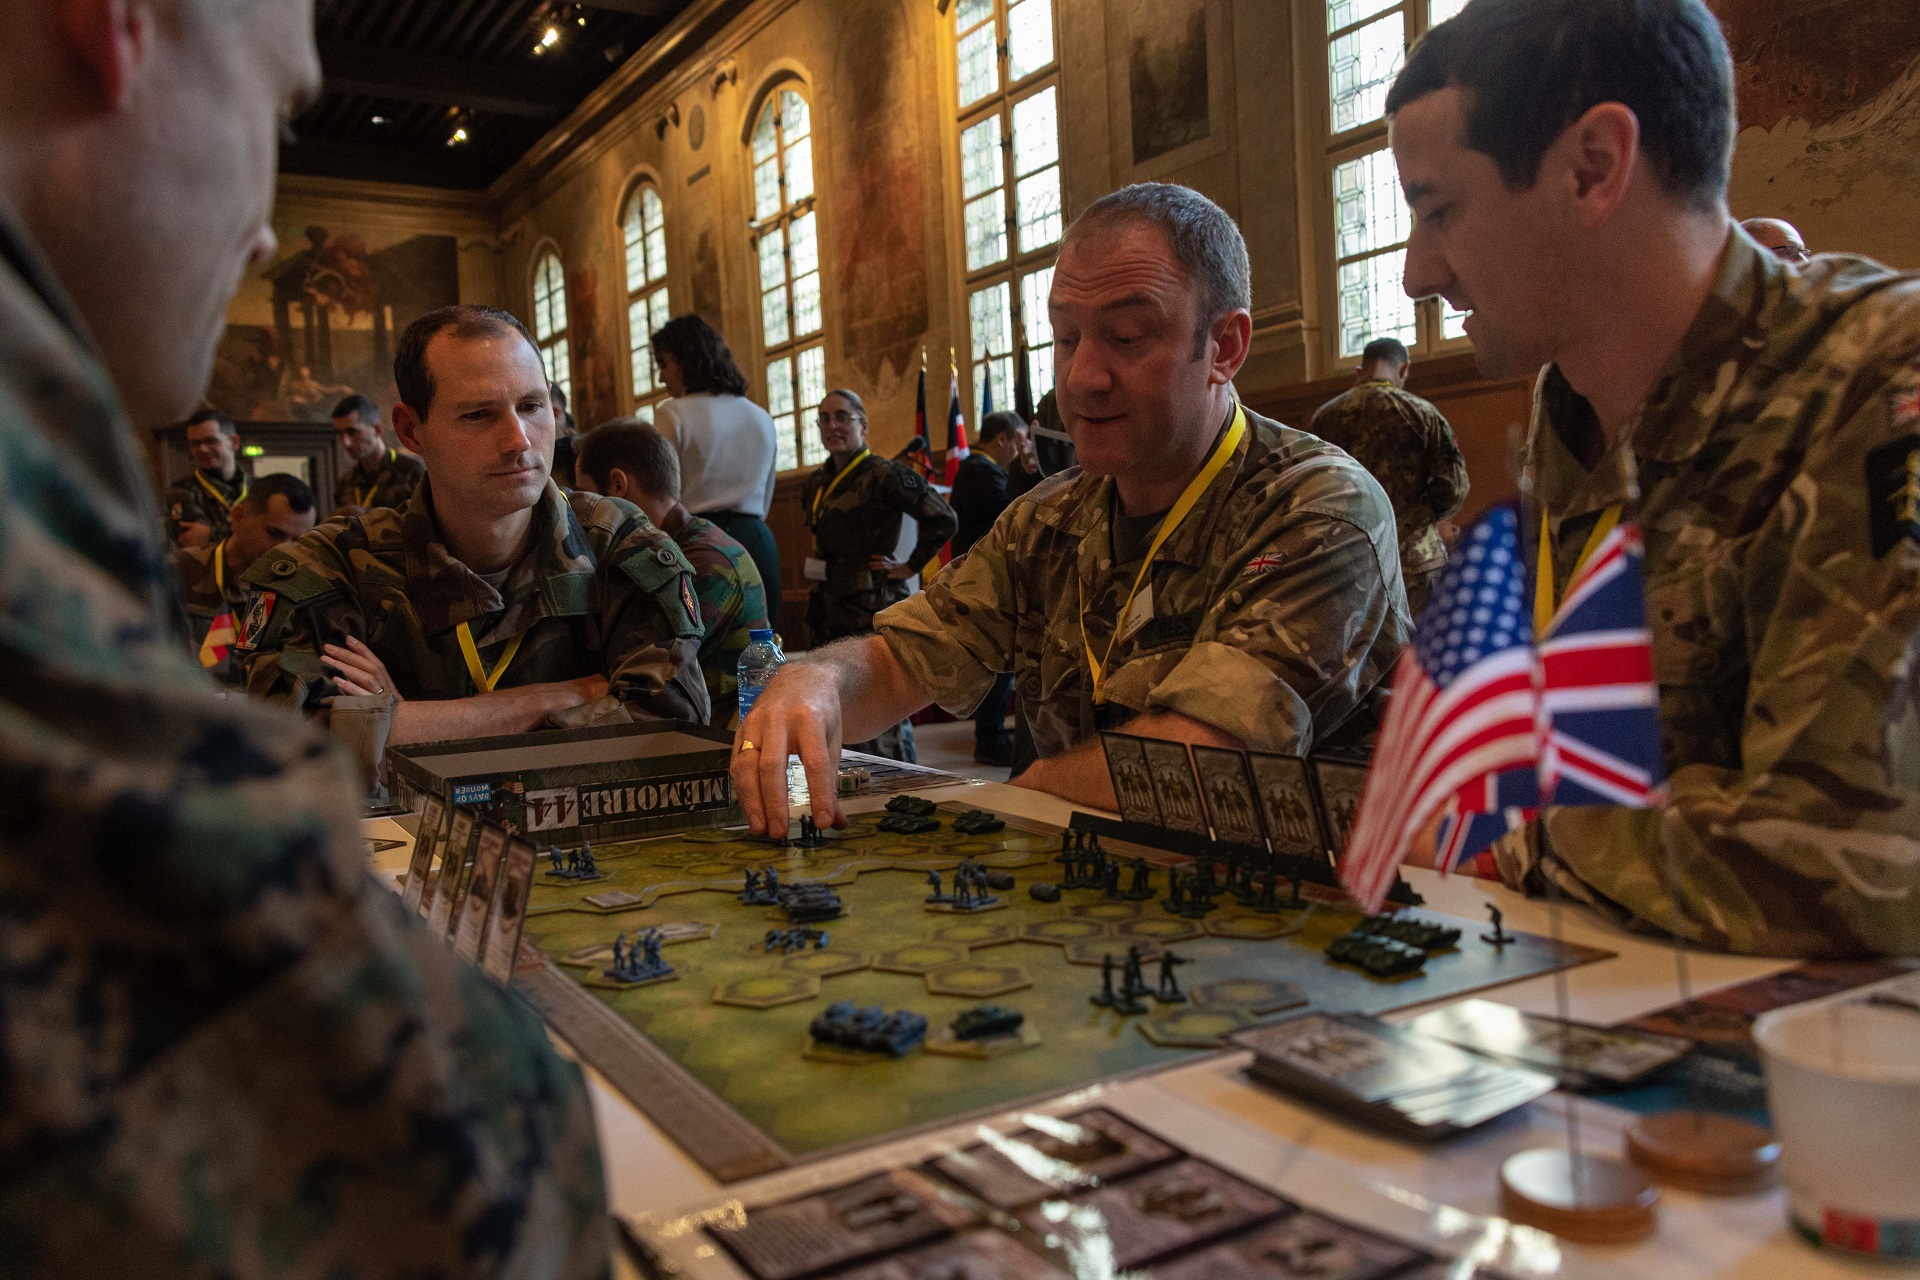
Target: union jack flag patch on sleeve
1265	562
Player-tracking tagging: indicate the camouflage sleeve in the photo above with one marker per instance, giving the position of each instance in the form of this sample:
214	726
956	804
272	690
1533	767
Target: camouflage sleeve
958	633
1808	848
1447	482
650	617
1308	619
906	491
186	504
300	600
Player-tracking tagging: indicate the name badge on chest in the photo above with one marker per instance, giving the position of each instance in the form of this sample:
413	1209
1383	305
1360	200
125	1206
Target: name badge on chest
815	569
1138	614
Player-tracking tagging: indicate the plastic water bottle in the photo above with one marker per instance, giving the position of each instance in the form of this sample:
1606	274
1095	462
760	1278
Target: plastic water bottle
758	661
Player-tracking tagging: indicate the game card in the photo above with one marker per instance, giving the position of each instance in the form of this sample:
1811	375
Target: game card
977	1255
876	1215
509	913
1163	1211
1595	1055
454	859
1286	802
1226	784
1175	790
1361	1057
1304	1246
476	902
426	845
1132	787
1340	785
1052	1157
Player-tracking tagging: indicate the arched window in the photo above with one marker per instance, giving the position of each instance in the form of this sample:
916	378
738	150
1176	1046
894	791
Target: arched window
644	228
550	321
786	241
1009	90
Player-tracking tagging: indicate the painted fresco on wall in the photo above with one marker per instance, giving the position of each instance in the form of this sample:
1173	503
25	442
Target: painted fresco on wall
881	242
1167	75
321	320
706	280
594	399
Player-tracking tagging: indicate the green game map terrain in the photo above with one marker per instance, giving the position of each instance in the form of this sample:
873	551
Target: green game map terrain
736	1017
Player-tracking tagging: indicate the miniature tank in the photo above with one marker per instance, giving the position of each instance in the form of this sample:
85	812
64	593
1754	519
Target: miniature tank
806	903
918	806
1423	934
908	824
984	1021
978	822
873	1030
1382	957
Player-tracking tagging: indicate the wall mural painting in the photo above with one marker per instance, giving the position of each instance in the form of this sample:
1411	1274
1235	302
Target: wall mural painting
594	399
706	279
321	320
1167	75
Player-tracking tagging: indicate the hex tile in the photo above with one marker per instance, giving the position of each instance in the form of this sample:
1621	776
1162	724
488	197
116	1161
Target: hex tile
1094	951
1189	1028
710	870
670	933
1258	928
1105	911
977	981
1251	995
919	957
768	991
975	934
1060	932
1163	929
824	964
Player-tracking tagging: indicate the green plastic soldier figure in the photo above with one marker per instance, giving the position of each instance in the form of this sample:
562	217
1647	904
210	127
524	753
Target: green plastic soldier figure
376	474
276	510
197	506
228	1051
1407	446
554	600
1759	423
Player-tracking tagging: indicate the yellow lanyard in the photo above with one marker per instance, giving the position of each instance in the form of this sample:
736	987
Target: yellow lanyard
834	483
226	504
1544	603
483	679
366	494
220	568
1229	441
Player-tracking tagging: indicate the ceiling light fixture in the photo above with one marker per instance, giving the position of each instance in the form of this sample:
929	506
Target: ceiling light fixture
550	38
379	119
457	137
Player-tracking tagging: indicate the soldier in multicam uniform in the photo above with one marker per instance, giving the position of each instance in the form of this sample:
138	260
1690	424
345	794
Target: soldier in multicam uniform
1405	444
1759	423
627	458
377	475
1206	576
227	1051
494	600
197	505
277	509
854	504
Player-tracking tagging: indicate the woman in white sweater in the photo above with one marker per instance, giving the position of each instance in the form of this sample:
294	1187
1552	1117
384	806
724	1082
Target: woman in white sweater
725	441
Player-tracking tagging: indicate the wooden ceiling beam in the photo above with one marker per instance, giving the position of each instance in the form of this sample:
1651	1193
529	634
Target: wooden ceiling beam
660	10
439	81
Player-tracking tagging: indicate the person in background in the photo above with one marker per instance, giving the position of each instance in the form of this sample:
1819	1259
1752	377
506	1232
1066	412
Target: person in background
853	505
728	451
376	475
227	1051
1405	444
277	509
1778	237
197	505
628	459
982	488
565	437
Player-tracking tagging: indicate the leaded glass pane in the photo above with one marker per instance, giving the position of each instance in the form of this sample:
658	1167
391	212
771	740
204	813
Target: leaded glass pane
971	13
1000	372
1361	65
1036	132
786	455
1040	371
1029	37
635	238
799	170
806	246
773	258
765	140
559	366
766	188
638	333
992	321
1039	205
654	213
806	304
780	386
812	366
980	168
986	220
1369	211
773	316
1372	302
795	122
657	311
656	254
549	298
1344	13
1438	11
1034	288
979	64
1453	324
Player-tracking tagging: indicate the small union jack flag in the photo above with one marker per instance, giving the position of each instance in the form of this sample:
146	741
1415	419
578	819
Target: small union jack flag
1906	408
1265	562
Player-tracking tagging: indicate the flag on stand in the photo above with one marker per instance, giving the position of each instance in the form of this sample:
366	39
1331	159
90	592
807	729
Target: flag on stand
956	426
919	454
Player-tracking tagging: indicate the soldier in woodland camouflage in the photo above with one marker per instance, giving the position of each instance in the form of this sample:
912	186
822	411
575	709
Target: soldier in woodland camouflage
227	1052
197	505
376	475
1407	446
277	509
1761	424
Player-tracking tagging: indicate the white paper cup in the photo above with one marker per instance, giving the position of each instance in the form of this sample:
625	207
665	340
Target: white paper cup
1843	1084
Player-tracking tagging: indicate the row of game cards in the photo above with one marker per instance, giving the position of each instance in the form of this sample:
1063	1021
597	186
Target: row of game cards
1084	1194
472	880
1291	804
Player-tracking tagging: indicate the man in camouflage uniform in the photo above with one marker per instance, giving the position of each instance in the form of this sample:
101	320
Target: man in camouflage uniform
1760	423
627	458
197	505
227	1051
853	504
277	509
569	597
1407	446
1204	576
376	475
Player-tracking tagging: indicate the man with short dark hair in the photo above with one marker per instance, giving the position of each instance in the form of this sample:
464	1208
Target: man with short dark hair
277	509
376	475
1405	443
1567	166
628	459
495	601
982	488
197	505
1205	576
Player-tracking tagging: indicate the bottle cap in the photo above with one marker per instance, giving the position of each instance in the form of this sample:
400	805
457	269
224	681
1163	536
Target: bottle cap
758	634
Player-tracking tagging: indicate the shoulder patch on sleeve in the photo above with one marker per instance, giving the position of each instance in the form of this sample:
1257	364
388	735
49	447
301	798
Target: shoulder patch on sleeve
254	625
1893	487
